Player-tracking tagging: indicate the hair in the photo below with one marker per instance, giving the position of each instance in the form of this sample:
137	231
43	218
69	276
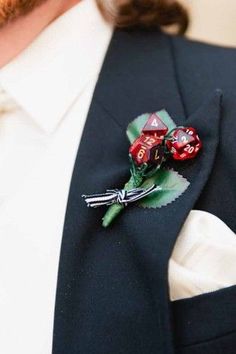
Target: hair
147	14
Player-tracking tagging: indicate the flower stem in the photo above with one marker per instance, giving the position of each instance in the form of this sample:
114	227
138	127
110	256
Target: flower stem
115	209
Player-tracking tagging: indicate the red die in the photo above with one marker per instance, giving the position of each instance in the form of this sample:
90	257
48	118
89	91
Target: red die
147	149
155	126
185	144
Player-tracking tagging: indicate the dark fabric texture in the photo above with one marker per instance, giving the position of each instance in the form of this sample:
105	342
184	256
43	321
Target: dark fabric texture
201	69
206	322
112	293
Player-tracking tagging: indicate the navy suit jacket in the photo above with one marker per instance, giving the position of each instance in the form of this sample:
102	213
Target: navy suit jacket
112	294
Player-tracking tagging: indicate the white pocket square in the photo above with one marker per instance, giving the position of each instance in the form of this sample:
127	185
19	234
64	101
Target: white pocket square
204	257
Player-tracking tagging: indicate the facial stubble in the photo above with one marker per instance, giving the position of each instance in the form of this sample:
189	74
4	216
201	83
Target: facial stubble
10	10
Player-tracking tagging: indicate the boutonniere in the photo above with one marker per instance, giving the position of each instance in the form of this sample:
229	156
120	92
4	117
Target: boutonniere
154	139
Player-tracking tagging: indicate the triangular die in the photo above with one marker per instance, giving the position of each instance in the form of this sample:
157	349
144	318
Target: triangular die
155	125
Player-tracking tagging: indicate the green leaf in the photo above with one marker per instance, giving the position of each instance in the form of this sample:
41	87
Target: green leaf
135	127
172	186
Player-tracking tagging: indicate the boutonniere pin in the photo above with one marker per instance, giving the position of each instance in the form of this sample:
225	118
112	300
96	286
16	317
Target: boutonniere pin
154	139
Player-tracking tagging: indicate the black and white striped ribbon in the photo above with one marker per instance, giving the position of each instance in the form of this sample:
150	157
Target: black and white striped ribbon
116	196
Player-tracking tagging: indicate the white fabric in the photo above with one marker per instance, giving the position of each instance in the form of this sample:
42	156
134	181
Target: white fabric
204	257
6	103
52	82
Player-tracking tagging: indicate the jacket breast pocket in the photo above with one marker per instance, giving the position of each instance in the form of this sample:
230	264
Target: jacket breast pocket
206	324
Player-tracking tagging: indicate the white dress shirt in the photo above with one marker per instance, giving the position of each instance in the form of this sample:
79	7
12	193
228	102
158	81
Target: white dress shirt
52	82
49	90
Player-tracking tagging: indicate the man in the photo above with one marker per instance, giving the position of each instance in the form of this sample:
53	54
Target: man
70	85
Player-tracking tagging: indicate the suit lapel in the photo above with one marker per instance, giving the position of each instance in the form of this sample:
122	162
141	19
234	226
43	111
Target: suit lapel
153	242
137	76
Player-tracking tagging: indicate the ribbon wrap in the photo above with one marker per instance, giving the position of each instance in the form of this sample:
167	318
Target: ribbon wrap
116	196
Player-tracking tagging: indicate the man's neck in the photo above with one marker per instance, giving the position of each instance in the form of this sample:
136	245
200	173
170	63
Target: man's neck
16	36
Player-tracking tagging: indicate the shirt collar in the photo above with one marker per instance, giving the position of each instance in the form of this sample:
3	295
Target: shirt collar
52	72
